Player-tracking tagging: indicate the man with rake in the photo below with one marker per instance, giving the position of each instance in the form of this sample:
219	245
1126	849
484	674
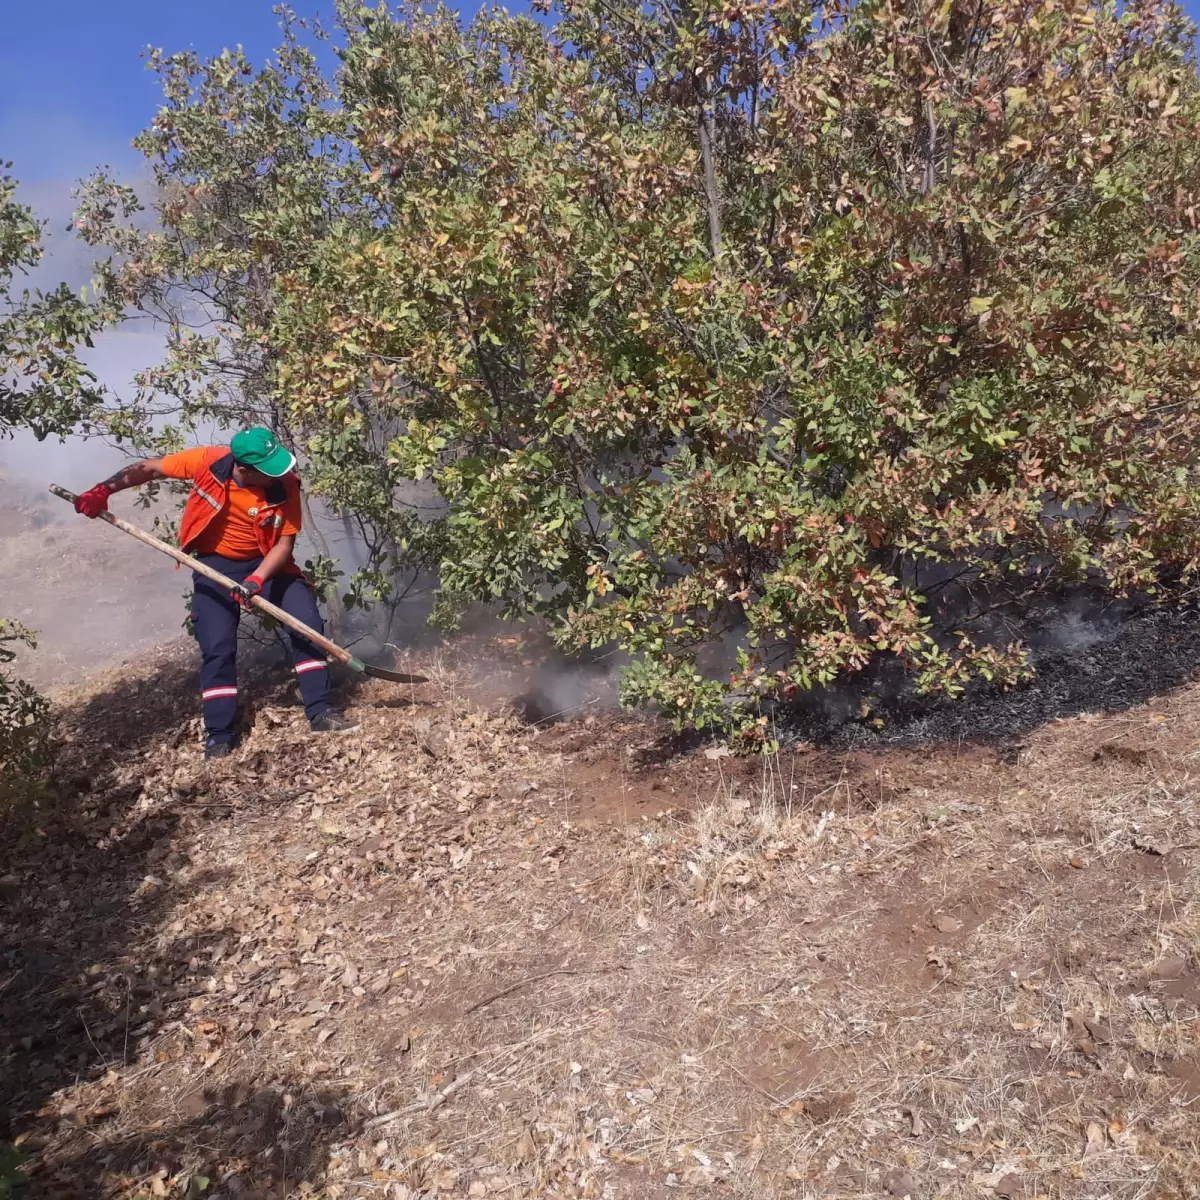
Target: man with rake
241	518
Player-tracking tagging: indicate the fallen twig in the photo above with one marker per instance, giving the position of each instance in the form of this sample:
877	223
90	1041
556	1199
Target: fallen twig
424	1106
516	987
440	1098
758	1087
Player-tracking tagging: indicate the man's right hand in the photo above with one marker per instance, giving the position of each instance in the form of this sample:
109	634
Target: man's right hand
94	501
245	591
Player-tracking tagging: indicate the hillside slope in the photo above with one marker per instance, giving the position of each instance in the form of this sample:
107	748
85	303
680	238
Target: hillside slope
455	955
94	596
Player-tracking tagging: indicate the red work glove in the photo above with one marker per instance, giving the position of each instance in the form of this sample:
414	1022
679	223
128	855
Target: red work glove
247	590
94	501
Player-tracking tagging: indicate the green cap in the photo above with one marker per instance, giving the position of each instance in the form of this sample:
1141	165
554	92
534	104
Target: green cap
261	449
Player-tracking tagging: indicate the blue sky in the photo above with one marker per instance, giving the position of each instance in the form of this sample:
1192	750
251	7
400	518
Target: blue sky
73	85
74	91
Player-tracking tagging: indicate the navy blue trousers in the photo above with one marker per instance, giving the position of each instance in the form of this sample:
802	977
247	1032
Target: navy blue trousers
215	616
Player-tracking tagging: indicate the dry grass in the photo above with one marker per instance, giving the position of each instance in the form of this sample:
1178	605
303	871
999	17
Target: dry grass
858	975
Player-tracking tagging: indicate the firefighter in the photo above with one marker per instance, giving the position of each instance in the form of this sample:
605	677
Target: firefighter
241	518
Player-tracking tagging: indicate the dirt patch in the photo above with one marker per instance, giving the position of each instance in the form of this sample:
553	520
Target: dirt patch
1187	1072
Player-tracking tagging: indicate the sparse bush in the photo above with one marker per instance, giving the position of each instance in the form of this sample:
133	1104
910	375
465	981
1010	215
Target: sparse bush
45	390
23	737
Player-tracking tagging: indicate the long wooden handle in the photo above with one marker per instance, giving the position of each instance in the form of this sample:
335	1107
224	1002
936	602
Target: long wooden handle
331	648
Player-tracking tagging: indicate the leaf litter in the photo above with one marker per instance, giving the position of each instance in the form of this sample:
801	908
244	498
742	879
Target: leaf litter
453	956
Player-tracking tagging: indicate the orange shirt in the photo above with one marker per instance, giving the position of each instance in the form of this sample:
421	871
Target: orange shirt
231	531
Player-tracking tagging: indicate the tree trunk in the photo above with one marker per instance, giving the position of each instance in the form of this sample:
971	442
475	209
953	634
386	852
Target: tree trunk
712	194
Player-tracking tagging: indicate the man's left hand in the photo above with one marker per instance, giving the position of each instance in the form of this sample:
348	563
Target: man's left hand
245	591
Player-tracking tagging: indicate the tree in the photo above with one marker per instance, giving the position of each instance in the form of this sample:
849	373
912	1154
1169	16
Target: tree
252	170
22	711
45	389
839	329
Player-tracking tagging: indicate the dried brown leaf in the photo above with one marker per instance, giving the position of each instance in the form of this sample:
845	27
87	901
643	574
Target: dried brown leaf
1011	1187
900	1183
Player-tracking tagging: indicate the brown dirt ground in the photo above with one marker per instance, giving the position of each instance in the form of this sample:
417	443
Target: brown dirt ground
455	955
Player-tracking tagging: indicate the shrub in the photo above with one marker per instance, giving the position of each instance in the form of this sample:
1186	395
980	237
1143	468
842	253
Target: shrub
23	738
